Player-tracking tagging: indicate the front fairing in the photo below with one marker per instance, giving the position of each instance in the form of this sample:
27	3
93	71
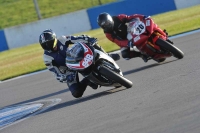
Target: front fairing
90	69
140	28
76	63
144	34
102	59
105	56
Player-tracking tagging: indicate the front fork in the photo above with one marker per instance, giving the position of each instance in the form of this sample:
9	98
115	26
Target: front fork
96	46
151	43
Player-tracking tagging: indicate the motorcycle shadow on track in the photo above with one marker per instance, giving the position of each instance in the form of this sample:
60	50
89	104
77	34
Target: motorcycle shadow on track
90	97
42	97
147	67
68	103
84	99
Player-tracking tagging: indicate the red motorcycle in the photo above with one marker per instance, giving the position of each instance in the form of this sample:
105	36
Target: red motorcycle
150	40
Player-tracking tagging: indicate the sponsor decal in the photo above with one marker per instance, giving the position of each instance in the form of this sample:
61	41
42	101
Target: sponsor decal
136	38
148	23
61	47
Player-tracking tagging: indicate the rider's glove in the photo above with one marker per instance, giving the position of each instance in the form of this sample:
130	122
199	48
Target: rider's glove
146	17
62	78
91	40
87	38
70	77
130	44
165	32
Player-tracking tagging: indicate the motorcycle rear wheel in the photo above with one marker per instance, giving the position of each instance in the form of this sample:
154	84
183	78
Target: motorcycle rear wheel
171	48
115	77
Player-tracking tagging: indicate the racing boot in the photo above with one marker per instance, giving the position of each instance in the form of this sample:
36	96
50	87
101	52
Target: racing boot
92	85
114	56
144	57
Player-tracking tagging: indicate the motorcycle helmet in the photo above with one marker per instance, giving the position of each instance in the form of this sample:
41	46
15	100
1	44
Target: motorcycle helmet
48	40
105	21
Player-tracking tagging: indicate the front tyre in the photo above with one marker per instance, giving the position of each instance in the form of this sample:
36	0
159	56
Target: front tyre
115	77
171	48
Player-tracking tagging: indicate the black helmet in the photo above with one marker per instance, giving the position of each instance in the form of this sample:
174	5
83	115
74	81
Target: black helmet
105	21
48	40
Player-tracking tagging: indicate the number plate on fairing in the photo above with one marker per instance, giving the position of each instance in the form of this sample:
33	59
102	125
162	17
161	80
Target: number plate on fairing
138	28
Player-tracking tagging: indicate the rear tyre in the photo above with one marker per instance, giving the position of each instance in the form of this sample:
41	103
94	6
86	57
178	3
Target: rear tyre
161	60
115	77
171	48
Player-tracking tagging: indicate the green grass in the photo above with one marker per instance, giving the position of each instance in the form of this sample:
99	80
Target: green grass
16	12
28	59
179	21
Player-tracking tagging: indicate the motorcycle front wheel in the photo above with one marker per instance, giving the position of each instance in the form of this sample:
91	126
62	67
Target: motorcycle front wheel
171	48
115	77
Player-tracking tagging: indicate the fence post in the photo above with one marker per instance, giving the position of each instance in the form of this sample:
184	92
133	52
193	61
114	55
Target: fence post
37	9
100	2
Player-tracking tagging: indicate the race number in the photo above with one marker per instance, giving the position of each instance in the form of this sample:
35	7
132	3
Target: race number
138	28
86	62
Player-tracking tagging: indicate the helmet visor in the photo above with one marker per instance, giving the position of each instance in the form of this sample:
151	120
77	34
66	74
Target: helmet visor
108	24
51	44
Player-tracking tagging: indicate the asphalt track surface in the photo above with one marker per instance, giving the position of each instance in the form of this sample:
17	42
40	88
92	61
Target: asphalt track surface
165	98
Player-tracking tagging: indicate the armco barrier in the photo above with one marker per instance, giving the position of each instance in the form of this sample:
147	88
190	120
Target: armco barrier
129	7
3	43
186	3
66	24
85	20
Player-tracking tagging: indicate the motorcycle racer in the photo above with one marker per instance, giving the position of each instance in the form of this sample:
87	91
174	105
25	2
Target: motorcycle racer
115	29
54	59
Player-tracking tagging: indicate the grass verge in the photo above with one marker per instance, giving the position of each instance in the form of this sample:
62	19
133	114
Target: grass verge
28	59
16	12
